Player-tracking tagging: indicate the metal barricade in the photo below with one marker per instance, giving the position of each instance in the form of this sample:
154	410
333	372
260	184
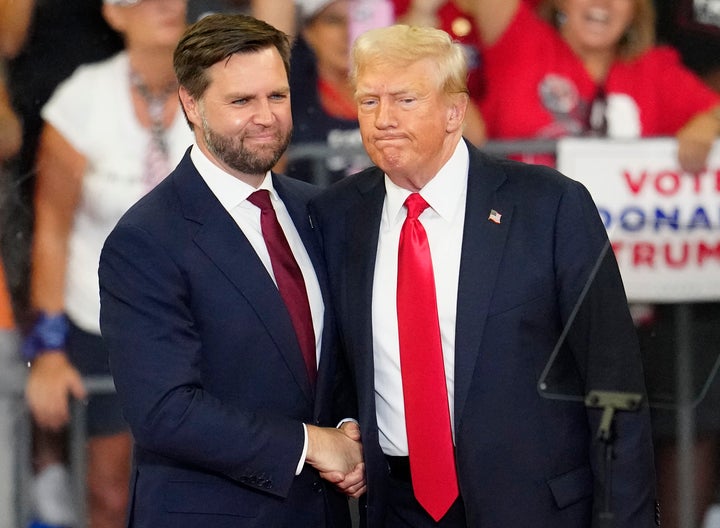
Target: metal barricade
13	390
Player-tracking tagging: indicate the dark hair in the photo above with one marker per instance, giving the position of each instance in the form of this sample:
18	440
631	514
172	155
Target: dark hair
217	37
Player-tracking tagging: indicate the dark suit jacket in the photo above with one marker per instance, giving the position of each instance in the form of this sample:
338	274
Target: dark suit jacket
523	459
207	365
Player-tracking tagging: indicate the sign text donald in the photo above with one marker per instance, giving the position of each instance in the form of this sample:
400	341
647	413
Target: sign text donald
664	224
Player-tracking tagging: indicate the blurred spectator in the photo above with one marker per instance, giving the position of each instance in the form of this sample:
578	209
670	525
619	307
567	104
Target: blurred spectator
323	103
112	130
693	27
585	70
11	369
44	41
278	13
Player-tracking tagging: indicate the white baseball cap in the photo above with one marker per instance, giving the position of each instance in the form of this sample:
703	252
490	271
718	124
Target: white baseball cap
310	8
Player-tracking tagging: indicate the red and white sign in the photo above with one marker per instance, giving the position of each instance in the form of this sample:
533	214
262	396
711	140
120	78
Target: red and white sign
664	223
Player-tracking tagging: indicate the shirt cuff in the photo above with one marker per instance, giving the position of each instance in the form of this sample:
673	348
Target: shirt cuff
304	452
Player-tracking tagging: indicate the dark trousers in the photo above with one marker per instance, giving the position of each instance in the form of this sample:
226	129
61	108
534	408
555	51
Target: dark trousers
404	511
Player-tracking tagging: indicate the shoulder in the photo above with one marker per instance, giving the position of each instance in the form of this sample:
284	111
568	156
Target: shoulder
97	78
350	189
528	185
94	72
294	189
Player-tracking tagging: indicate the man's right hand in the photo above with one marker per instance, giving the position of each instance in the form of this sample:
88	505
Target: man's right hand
52	381
333	452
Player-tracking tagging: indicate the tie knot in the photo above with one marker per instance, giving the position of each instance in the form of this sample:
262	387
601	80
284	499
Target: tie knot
261	199
415	204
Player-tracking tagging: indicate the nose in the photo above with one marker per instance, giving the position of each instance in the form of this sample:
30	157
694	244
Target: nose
263	113
383	115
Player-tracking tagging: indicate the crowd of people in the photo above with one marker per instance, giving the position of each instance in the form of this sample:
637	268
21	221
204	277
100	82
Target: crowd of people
90	122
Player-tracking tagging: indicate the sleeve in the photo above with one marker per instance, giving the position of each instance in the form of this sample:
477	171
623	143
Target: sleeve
604	345
67	110
155	352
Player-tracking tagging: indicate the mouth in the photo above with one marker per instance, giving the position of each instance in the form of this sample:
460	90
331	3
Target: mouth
597	15
379	139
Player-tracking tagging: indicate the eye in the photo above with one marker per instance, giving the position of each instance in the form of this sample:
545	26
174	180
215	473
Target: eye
279	97
367	104
240	102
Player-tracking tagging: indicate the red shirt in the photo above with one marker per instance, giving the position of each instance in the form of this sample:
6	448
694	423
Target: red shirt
536	86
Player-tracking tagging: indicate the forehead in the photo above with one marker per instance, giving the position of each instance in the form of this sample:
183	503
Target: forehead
247	70
393	78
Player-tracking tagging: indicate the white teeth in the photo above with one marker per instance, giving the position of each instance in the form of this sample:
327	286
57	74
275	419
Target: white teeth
597	14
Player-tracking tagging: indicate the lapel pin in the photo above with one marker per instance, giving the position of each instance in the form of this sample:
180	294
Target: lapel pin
494	216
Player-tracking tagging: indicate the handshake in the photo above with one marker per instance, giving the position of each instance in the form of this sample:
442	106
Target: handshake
337	455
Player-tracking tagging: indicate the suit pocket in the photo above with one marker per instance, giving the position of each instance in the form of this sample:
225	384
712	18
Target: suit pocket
209	498
572	486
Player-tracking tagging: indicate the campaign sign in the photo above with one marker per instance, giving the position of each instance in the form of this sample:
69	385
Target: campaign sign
664	224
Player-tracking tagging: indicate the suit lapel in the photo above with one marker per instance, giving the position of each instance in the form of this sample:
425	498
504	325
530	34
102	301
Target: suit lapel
363	226
482	250
219	237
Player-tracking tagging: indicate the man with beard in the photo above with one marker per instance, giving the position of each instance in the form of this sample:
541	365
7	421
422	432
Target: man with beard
213	311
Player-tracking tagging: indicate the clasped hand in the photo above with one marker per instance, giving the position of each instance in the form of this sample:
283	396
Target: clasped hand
337	455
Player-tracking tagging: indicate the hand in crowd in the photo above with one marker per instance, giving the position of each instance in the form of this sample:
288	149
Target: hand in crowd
695	140
422	12
51	383
337	455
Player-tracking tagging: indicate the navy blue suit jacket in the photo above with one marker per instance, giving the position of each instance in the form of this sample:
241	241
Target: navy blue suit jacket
523	459
208	368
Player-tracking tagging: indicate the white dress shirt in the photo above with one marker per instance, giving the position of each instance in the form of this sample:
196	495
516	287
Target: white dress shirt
443	222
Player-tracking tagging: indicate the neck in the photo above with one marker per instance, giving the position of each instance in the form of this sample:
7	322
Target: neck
154	69
597	63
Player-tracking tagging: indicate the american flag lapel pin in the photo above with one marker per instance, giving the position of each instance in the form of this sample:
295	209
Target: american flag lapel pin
494	216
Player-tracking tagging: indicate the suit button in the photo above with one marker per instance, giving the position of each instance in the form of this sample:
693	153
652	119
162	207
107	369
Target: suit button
317	487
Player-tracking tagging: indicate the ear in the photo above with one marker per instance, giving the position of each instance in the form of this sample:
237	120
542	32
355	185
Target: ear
191	107
456	112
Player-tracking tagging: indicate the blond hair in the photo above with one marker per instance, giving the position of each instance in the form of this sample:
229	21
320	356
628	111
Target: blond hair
400	46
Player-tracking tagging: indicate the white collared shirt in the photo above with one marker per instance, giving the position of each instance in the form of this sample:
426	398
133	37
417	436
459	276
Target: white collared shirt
443	221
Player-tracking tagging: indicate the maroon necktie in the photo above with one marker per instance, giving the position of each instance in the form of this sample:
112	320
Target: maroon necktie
289	279
427	414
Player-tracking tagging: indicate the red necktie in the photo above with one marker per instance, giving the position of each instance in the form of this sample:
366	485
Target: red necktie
289	279
427	414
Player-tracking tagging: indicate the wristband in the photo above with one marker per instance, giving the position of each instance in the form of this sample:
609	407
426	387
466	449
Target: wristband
49	332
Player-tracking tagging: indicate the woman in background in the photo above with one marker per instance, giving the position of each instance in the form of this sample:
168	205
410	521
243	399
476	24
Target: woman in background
112	131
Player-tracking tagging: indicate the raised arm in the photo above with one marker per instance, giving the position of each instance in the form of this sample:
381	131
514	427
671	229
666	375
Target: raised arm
279	13
492	17
15	18
696	138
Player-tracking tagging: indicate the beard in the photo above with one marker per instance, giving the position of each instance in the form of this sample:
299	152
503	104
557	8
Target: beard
231	150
